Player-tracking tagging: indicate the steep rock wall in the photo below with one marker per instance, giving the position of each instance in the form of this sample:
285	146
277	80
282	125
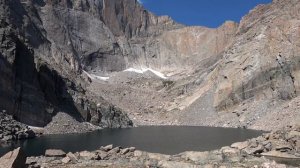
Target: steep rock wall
40	69
263	62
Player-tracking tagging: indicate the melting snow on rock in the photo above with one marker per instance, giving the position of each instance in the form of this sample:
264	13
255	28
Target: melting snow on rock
143	70
92	76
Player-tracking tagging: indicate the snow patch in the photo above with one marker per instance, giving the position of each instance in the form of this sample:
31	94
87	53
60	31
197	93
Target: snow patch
105	78
134	70
143	70
33	127
92	76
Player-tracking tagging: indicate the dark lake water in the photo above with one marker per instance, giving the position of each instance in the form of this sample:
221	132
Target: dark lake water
158	139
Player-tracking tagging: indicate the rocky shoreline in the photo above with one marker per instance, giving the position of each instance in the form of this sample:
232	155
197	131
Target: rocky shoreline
278	149
11	129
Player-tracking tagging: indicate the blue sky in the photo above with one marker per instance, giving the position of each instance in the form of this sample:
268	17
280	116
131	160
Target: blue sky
210	13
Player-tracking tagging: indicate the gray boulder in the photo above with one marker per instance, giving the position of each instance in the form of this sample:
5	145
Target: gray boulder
13	159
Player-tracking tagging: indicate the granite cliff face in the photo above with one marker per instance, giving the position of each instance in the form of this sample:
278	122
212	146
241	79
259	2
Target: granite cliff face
105	35
263	62
258	74
46	45
70	56
130	36
41	69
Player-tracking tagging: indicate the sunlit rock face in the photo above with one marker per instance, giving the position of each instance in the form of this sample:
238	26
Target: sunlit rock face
113	35
263	61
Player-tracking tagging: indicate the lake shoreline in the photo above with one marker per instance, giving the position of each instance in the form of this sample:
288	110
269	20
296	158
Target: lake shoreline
157	139
283	143
39	132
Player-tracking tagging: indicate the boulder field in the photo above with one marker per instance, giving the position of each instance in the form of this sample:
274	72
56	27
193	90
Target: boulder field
11	129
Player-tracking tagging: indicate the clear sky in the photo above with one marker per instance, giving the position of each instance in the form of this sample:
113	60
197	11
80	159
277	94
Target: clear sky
210	13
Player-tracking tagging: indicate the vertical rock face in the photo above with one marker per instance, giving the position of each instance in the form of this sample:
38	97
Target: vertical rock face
192	47
112	35
263	61
20	92
40	63
100	31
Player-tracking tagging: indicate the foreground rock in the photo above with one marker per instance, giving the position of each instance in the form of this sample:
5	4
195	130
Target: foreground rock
115	158
13	159
55	153
11	129
257	152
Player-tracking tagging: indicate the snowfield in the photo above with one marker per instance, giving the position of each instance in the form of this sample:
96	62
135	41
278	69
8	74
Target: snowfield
143	70
92	76
139	71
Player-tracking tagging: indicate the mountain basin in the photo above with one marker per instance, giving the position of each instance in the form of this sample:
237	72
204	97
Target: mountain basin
157	139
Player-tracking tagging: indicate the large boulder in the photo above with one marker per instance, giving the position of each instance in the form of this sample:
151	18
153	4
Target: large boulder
106	148
13	159
55	153
240	145
201	157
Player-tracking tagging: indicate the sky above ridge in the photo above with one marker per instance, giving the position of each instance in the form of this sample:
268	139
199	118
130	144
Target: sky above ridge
210	13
